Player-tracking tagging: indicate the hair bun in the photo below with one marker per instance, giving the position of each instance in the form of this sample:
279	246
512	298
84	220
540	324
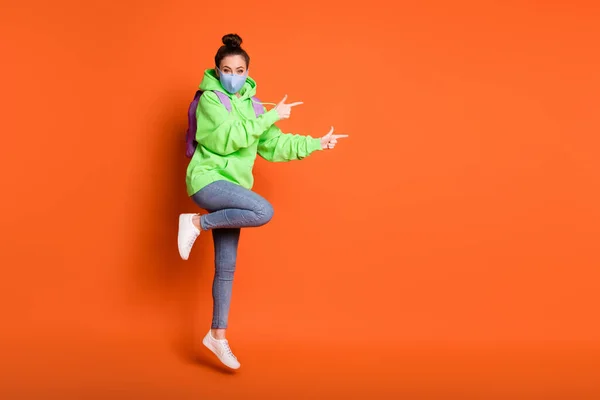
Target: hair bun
232	40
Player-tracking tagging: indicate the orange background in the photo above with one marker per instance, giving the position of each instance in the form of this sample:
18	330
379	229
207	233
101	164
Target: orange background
448	248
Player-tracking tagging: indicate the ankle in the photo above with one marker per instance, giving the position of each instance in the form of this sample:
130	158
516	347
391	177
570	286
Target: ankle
218	334
196	222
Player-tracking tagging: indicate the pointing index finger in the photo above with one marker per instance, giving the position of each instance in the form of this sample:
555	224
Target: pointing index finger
296	103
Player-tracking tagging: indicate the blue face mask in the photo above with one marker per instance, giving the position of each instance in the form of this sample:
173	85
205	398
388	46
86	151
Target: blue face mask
233	83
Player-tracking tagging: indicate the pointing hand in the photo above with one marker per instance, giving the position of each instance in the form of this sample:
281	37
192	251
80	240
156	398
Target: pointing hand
330	140
284	110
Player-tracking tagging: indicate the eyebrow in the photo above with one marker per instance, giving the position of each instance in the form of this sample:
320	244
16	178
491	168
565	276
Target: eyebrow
227	66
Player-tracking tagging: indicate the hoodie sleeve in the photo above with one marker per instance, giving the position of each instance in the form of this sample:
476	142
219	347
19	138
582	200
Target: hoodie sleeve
276	146
221	132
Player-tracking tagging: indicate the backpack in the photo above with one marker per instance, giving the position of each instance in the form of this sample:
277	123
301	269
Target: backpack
190	137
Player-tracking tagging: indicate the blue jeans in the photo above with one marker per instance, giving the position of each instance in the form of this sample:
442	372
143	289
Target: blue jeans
230	208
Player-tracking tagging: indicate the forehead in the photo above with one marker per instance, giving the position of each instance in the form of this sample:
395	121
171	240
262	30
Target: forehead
233	62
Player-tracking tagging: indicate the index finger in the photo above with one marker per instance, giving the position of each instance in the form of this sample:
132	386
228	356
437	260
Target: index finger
295	104
339	136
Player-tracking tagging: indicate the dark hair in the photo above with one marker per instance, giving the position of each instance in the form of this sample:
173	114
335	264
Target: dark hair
231	47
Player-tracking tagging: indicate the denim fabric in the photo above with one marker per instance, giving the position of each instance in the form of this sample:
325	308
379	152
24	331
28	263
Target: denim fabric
230	208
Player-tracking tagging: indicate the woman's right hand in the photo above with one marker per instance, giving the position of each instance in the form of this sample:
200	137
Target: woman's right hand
284	110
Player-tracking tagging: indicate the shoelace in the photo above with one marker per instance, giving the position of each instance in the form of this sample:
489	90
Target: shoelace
191	240
228	349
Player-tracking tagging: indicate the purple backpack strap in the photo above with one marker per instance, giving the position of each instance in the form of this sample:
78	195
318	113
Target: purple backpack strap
258	107
256	104
224	99
190	136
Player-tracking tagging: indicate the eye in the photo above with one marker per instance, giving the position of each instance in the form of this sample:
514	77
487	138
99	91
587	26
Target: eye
240	72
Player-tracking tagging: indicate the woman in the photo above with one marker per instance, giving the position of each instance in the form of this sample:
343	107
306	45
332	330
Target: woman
219	175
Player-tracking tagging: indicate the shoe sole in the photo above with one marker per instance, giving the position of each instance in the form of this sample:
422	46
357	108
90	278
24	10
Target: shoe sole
206	344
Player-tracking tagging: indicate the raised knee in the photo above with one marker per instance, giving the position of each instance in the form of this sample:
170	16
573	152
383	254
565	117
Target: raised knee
265	214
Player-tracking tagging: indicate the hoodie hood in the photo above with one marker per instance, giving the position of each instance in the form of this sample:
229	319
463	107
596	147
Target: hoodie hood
210	82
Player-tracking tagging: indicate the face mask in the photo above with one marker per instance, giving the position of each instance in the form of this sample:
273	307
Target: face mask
232	82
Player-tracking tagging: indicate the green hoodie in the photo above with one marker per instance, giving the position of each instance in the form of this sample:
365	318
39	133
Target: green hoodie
229	141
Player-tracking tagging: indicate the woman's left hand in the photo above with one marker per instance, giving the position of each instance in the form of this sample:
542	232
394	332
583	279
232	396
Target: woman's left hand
330	140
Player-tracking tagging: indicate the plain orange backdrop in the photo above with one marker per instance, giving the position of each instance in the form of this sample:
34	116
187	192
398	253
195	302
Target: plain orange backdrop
448	247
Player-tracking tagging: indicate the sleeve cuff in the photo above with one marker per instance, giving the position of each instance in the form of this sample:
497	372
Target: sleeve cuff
270	117
315	144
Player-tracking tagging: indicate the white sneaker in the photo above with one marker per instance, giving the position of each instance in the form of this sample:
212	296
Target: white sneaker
222	350
187	235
